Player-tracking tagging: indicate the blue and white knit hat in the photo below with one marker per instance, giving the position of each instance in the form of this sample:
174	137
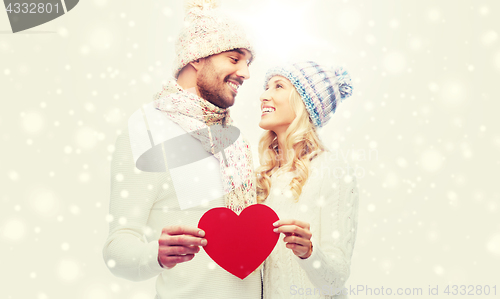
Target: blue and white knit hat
319	87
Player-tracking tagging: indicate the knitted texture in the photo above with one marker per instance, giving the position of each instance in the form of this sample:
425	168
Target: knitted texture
194	114
319	87
329	203
207	32
131	249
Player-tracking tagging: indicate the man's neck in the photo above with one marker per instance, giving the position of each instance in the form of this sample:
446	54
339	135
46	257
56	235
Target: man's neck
187	80
188	86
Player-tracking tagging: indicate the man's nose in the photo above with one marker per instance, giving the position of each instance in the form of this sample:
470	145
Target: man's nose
243	72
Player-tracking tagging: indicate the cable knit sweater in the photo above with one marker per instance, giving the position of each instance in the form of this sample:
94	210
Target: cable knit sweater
142	203
329	203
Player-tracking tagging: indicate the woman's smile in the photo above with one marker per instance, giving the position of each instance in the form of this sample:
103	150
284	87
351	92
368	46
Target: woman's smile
266	109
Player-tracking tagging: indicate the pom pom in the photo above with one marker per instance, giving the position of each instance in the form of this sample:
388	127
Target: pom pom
201	4
344	83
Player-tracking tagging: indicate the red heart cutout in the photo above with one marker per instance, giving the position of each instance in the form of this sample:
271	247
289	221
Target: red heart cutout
239	244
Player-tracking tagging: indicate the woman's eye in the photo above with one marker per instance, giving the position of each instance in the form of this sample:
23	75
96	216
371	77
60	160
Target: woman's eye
279	86
234	59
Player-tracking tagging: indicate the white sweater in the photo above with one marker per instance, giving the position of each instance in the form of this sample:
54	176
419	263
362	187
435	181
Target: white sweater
142	203
329	203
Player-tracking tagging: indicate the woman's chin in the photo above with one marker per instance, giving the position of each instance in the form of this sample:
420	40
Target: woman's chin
262	125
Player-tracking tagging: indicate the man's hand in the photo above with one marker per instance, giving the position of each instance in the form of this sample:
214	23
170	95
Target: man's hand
179	244
297	236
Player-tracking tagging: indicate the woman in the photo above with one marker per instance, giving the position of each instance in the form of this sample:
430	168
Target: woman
314	195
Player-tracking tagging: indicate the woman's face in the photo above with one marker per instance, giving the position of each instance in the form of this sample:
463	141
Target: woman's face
277	114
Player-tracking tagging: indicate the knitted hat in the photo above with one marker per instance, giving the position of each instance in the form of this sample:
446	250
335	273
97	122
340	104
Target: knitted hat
206	32
319	87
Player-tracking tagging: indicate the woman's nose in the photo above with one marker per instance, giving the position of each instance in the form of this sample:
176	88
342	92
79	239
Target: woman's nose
264	97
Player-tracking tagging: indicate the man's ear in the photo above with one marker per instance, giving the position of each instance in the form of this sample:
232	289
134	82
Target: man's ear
197	64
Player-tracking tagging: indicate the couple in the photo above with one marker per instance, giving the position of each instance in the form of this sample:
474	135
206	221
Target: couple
153	234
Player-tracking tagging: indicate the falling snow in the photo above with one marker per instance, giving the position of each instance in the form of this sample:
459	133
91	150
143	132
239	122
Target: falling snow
424	104
68	270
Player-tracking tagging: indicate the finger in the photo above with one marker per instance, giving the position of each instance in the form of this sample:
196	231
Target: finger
298	250
170	261
297	240
178	250
183	230
182	240
293	229
291	222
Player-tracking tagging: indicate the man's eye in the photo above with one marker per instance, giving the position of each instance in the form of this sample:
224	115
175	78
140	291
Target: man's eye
234	59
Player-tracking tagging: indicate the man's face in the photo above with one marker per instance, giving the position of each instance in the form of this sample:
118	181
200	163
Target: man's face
221	75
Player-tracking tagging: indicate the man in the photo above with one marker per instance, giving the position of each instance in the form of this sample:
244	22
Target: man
174	163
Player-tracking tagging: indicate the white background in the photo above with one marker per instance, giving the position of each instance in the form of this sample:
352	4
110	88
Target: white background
422	124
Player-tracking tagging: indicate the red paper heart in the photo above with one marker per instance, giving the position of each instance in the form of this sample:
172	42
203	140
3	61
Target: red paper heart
241	243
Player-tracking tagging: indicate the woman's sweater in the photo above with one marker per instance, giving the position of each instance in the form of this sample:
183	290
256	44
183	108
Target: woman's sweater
329	203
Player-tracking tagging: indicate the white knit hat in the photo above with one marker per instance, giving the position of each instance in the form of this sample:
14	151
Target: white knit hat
207	32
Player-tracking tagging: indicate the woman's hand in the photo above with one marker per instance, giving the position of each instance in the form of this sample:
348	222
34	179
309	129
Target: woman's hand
297	236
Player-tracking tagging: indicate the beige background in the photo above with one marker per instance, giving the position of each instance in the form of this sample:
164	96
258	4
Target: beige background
422	123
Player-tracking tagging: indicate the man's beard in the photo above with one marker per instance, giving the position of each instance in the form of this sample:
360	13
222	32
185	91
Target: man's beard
212	88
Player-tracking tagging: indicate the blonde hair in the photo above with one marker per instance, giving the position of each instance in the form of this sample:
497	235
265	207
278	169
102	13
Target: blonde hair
302	144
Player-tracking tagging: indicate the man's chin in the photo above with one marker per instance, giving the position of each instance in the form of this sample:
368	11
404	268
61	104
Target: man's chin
229	102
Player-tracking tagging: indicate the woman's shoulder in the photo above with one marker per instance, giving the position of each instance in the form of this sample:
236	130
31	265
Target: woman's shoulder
328	165
328	158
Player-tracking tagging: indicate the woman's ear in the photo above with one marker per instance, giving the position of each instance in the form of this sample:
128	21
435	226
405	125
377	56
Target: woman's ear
197	64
